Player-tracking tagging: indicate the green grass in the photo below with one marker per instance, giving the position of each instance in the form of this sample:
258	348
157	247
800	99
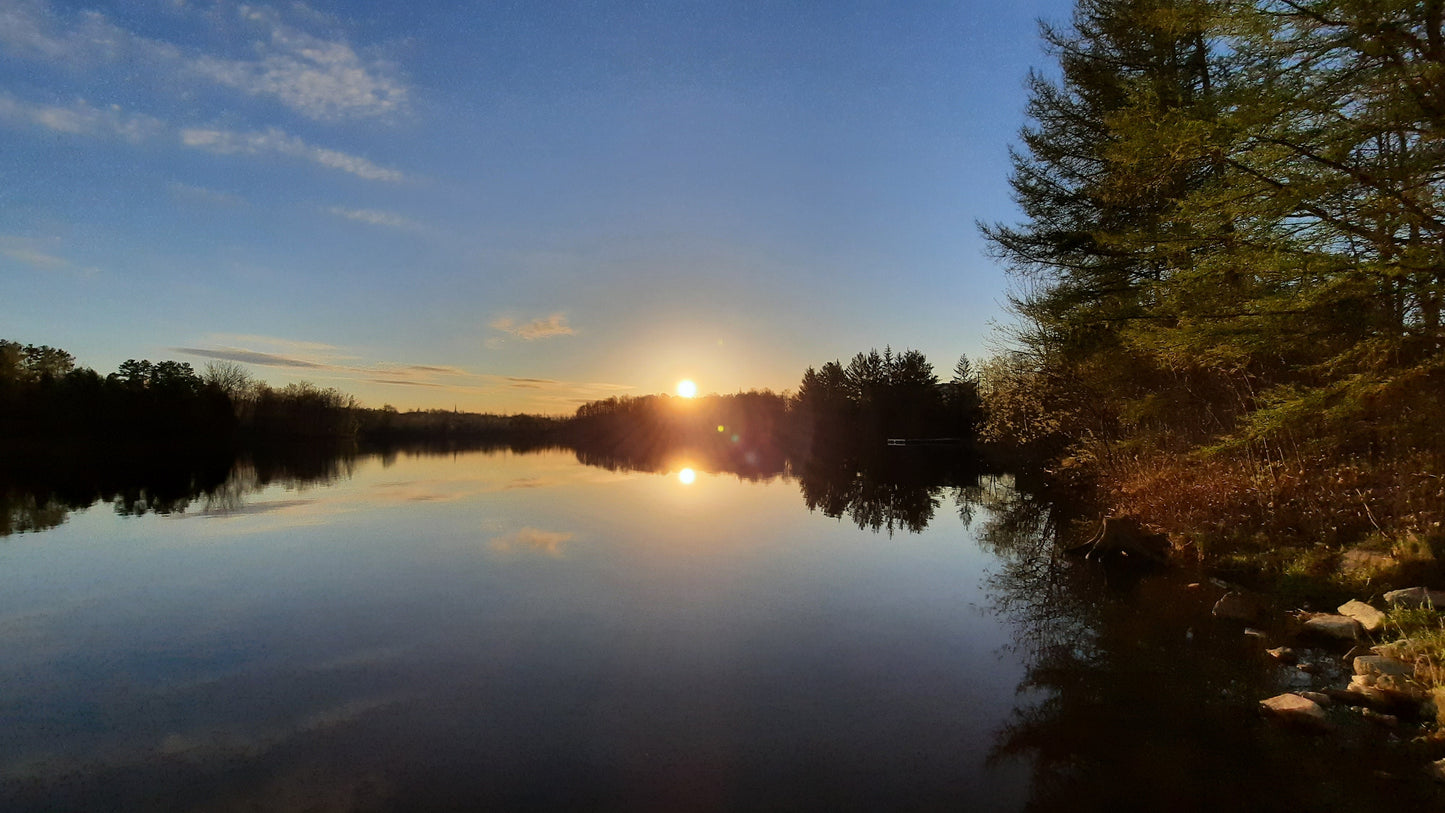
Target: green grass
1421	640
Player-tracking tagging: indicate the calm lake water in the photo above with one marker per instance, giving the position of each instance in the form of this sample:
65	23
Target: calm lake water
513	631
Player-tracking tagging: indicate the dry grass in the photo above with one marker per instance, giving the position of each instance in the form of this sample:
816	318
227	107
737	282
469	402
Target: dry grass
1421	641
1294	522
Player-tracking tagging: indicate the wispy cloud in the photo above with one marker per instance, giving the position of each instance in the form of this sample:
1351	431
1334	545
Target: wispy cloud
321	78
285	345
376	218
250	357
318	360
541	328
81	118
402	382
275	141
33	29
39	254
201	194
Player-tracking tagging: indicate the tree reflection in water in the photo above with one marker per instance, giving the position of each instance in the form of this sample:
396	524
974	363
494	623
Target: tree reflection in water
892	489
39	493
1137	699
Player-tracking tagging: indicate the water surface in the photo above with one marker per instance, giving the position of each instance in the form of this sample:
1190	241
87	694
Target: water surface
491	627
503	630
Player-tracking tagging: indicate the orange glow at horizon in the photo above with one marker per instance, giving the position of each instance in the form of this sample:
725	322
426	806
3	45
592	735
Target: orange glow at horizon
686	388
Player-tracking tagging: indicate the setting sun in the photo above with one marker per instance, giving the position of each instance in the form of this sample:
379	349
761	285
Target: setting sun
686	388
687	476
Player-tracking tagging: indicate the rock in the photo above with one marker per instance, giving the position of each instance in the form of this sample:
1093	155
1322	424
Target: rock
1319	697
1283	654
1437	770
1369	617
1296	710
1389	680
1236	606
1389	692
1401	690
1251	632
1375	665
1417	597
1333	626
1310	667
1192	586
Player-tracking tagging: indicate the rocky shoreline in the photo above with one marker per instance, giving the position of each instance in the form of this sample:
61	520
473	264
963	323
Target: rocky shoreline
1338	669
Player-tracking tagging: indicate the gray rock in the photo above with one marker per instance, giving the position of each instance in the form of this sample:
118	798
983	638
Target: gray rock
1333	626
1236	606
1369	617
1291	708
1417	597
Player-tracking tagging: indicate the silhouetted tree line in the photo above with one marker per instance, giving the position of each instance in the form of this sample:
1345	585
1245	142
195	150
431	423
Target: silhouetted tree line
44	397
877	396
745	432
880	396
388	425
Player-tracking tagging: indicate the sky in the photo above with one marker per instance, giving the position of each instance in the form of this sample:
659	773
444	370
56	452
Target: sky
508	206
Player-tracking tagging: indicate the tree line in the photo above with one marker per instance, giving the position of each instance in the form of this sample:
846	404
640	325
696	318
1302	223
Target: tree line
45	398
874	398
1231	264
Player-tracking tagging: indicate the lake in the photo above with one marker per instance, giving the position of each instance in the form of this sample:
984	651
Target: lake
499	630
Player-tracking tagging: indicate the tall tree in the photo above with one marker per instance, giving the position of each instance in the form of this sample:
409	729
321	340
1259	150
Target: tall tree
1099	242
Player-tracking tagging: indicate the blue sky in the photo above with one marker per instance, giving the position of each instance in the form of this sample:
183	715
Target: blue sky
507	206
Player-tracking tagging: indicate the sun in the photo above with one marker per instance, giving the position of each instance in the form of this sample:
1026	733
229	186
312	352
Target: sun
686	389
687	476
